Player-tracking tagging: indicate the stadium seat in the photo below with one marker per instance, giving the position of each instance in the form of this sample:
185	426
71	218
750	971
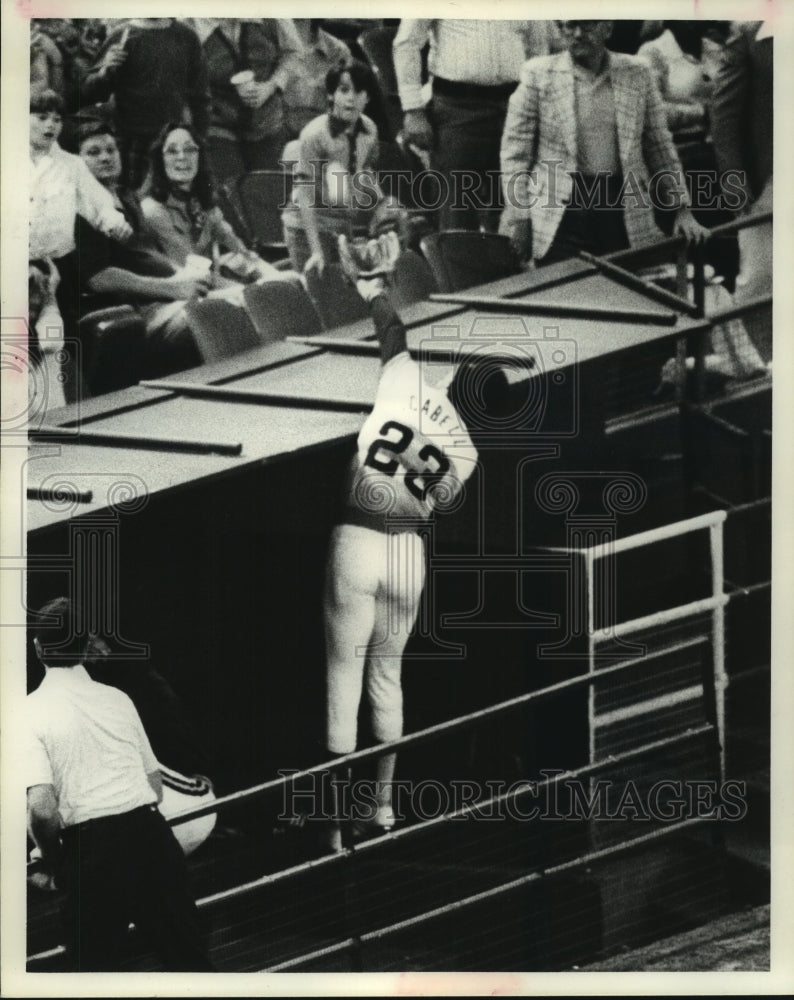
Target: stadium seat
262	195
221	328
113	342
412	280
461	258
280	309
335	300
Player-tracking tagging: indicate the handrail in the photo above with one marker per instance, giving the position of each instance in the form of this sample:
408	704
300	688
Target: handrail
648	537
674	242
513	885
587	770
425	735
411	832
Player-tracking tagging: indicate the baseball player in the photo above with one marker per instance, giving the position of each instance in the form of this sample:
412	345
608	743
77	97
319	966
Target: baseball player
413	455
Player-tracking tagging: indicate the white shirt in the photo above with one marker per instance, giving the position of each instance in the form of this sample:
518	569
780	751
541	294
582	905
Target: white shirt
61	188
415	442
87	740
45	390
466	51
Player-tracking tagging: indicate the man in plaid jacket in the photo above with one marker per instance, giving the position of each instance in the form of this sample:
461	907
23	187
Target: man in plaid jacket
586	153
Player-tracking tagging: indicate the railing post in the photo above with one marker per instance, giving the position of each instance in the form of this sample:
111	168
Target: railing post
718	634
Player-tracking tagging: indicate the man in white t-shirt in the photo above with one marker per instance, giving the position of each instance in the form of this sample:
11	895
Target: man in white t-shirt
93	787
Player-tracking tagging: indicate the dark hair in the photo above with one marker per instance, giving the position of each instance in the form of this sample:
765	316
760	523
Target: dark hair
157	184
45	100
90	128
690	34
361	76
60	642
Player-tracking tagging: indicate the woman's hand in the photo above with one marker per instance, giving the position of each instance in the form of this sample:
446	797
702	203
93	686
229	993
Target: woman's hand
183	286
121	231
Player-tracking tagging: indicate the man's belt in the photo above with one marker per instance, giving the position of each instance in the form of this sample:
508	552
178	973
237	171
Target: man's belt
473	91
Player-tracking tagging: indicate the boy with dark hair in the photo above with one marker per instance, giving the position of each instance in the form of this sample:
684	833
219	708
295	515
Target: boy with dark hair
335	187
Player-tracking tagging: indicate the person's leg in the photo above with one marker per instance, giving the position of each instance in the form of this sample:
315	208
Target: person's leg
264	154
164	910
397	606
466	151
95	914
349	613
755	274
67	296
134	151
225	158
297	247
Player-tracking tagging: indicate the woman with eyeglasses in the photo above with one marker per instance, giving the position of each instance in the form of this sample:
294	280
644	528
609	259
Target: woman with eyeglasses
181	213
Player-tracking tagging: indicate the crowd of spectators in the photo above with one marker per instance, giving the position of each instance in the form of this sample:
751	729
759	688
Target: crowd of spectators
178	110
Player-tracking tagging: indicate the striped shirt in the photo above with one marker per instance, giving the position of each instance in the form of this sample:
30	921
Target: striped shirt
487	53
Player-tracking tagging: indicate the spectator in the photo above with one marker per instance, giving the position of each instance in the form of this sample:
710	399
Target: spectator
247	130
90	37
180	212
62	188
336	151
587	127
475	67
742	117
683	60
154	70
137	273
46	61
305	96
176	745
93	788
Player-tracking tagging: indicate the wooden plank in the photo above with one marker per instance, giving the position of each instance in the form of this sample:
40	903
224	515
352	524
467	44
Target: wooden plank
117	439
230	394
532	307
647	288
60	494
259	359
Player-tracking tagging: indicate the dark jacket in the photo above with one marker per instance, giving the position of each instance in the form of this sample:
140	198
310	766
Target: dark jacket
741	108
267	49
163	74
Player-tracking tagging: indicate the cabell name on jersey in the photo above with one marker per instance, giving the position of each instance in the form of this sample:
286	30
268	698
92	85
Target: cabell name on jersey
414	452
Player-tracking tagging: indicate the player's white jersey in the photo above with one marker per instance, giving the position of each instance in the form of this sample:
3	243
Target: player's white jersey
414	452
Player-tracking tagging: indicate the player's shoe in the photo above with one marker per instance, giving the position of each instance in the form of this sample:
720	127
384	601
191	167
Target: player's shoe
381	822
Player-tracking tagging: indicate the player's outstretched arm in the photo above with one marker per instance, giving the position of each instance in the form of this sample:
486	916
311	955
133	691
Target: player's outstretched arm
367	266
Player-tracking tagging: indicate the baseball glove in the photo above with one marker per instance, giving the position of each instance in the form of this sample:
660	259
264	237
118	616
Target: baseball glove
363	260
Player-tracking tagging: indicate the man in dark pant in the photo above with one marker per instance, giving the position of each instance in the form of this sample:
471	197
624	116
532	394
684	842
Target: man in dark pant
93	786
593	219
128	867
